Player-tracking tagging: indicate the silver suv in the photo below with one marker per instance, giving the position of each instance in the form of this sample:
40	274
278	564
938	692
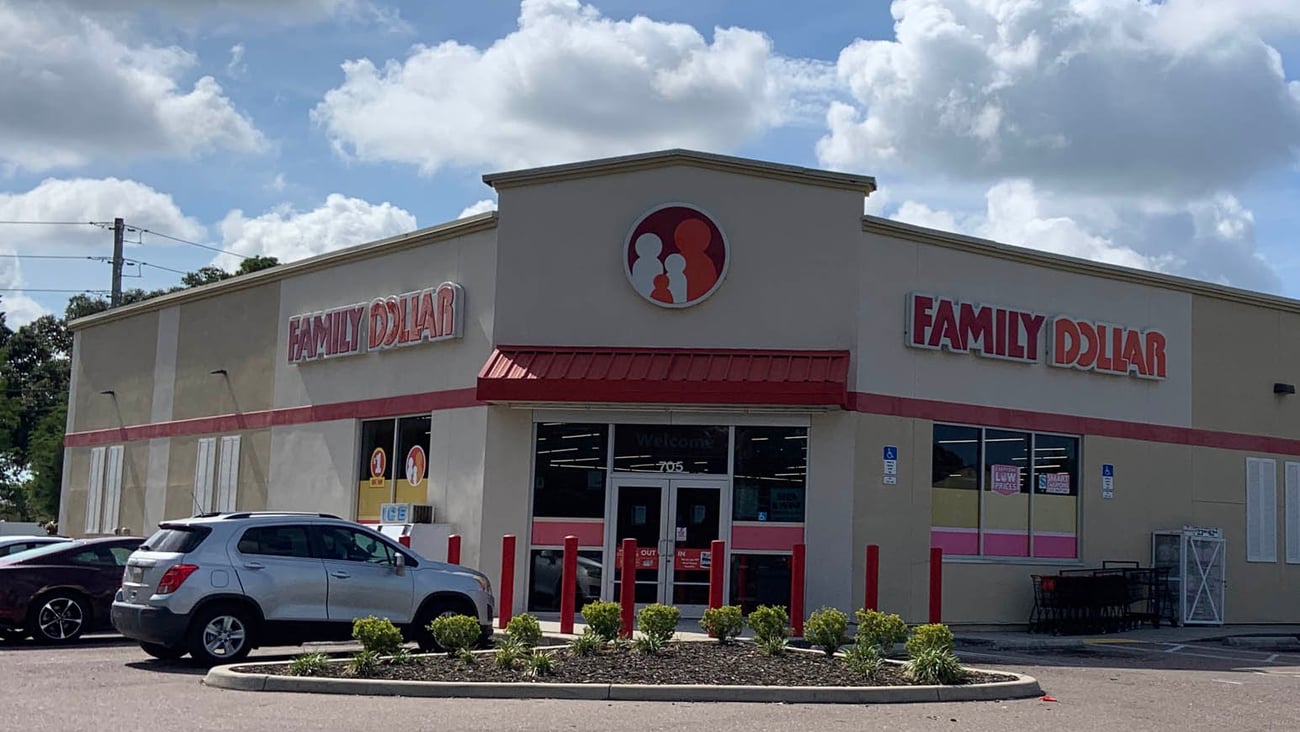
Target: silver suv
217	586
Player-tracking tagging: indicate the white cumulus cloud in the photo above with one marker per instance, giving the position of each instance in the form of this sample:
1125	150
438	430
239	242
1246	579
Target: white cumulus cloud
1182	97
72	92
1210	239
87	200
289	234
478	207
568	84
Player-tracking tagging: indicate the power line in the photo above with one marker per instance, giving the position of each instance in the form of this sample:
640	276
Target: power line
191	243
156	266
51	256
51	223
42	289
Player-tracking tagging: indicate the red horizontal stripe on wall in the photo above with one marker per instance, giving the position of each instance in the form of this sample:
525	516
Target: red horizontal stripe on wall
765	538
365	409
1048	422
552	533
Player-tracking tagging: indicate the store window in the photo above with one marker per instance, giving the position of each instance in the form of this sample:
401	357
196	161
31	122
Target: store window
569	467
393	465
1004	493
545	573
771	474
760	579
661	448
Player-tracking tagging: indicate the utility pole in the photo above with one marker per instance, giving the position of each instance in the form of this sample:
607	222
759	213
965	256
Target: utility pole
119	229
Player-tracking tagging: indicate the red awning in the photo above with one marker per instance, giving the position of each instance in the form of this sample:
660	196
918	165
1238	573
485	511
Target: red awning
665	376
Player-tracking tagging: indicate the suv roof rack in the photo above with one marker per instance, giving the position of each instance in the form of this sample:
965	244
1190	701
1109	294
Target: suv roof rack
252	514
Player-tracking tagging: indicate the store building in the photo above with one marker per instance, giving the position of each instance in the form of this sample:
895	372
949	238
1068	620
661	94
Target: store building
679	347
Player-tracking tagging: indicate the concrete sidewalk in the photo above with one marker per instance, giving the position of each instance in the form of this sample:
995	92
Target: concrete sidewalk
1237	635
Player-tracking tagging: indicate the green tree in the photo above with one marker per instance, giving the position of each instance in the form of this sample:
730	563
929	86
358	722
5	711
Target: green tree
256	264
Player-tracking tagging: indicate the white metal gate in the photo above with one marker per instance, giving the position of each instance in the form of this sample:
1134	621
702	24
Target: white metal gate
1203	582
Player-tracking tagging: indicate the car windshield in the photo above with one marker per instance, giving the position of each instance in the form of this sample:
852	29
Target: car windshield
39	551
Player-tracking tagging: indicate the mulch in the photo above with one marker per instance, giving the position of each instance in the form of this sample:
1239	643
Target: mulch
697	662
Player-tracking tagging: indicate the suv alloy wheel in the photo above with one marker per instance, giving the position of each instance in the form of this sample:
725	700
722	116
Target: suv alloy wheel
221	634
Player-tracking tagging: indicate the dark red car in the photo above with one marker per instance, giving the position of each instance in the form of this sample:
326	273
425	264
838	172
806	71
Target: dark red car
57	592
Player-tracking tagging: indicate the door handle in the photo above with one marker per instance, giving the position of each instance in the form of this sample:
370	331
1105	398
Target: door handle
254	565
340	574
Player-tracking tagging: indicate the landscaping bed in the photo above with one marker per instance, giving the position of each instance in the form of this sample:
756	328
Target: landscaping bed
691	662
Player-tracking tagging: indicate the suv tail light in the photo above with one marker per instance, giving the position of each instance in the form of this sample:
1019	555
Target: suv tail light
174	577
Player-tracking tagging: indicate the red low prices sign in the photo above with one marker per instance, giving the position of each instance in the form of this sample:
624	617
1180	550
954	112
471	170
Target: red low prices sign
424	316
1020	335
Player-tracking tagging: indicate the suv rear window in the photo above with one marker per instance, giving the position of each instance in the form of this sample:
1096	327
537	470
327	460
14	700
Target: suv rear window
176	539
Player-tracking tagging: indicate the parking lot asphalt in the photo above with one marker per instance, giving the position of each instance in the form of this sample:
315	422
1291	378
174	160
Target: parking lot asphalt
107	684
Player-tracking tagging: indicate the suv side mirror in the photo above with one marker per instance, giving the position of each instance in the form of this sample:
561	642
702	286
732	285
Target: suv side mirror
400	564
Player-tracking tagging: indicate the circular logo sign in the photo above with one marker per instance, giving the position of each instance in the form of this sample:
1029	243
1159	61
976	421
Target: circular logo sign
415	462
676	255
378	461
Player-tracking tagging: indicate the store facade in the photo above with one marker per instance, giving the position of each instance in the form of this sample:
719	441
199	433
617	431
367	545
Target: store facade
680	347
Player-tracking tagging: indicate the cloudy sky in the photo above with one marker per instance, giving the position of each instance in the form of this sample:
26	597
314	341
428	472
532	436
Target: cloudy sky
1160	135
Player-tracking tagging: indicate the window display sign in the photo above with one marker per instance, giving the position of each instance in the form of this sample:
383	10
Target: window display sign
689	560
647	557
1006	479
424	316
1057	483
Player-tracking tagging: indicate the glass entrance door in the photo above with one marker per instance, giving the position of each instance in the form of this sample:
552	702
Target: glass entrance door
674	521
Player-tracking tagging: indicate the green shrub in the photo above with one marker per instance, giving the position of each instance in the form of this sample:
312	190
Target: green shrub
524	630
864	660
455	633
650	645
402	657
605	618
510	653
587	643
309	664
880	630
541	665
466	656
769	623
377	635
364	663
825	629
658	621
933	665
929	637
723	623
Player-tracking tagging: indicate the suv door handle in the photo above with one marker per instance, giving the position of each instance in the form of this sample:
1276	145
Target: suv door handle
340	574
254	565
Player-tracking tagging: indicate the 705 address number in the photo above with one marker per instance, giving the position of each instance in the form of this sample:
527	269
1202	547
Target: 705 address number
671	466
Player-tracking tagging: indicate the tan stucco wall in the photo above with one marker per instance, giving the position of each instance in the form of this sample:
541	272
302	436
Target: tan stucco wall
505	495
1240	352
118	356
237	333
453	364
1157	487
791	282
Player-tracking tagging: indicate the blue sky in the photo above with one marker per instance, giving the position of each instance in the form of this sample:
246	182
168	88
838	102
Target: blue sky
1153	135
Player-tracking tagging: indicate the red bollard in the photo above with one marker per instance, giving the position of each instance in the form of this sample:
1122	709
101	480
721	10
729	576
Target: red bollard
717	567
936	584
796	588
873	577
627	587
568	584
507	579
453	549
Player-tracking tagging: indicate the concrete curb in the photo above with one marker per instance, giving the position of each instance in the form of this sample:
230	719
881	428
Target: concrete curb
224	677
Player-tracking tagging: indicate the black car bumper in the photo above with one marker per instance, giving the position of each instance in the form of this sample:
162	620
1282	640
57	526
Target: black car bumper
150	624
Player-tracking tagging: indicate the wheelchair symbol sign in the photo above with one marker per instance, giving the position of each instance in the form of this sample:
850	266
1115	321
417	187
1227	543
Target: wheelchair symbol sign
891	452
